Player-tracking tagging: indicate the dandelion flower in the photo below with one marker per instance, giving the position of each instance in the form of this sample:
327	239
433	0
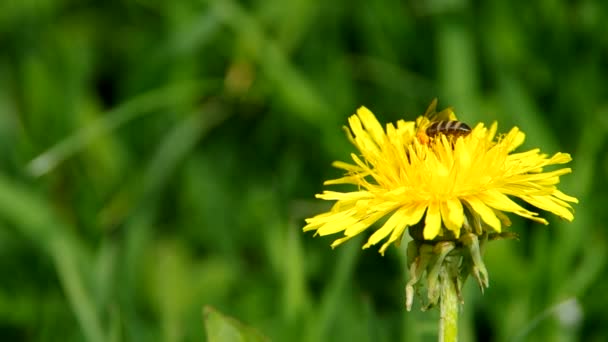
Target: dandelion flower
450	184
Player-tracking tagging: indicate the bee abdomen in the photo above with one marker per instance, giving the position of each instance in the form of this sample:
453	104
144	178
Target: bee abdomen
448	128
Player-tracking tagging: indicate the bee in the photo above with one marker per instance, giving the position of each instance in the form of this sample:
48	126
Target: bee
444	122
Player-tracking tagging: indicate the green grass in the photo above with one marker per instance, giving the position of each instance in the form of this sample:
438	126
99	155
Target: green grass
159	157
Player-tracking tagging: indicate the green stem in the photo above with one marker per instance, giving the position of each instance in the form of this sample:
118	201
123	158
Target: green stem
448	320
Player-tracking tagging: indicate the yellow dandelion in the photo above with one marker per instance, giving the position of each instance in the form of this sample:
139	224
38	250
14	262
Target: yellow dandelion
453	183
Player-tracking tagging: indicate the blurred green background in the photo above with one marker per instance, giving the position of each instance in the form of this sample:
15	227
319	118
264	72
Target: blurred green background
160	156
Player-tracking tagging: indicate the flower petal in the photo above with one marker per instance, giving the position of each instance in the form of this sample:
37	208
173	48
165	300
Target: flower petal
411	216
452	215
551	204
514	139
340	196
564	197
500	201
363	224
486	214
330	223
432	222
364	142
372	126
390	225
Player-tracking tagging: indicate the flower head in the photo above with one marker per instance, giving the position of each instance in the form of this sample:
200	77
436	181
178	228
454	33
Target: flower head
451	184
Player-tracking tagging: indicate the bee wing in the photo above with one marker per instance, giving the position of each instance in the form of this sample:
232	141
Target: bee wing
445	115
431	110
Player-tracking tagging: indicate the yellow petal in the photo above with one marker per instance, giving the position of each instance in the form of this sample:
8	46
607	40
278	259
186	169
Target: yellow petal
514	139
349	135
492	131
452	215
538	177
329	217
355	125
334	195
486	214
371	125
397	233
336	226
386	228
354	179
363	224
500	201
340	241
564	197
551	204
559	158
411	216
346	166
414	213
432	222
359	162
363	140
463	156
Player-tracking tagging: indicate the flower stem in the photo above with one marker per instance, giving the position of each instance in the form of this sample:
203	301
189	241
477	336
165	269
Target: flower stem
448	320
